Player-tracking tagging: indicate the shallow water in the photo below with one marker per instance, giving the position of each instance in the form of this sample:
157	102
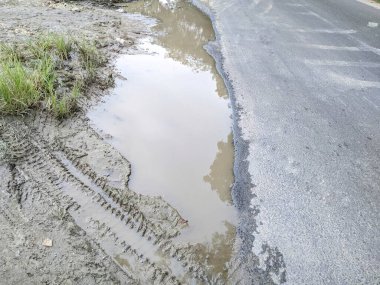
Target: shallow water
171	118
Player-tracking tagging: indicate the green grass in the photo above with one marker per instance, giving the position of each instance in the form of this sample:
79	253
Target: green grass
17	87
61	108
91	58
60	45
30	74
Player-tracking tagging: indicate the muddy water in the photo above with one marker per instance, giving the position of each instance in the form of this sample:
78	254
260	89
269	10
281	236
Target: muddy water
170	117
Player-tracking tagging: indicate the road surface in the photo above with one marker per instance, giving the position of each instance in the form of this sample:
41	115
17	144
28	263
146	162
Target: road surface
305	80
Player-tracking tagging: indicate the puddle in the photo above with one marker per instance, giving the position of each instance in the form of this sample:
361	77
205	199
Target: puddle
171	118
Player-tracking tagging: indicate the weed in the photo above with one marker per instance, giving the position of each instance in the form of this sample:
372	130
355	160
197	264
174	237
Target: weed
8	52
59	106
75	92
45	75
30	74
62	107
63	46
90	59
17	87
51	43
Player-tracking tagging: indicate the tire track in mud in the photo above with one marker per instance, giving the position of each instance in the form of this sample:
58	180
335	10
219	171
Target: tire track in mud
110	216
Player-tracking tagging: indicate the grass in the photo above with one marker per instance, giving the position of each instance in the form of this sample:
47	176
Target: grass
31	74
63	107
17	87
91	58
60	45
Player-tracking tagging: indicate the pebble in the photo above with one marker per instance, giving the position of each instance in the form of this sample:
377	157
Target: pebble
373	25
47	242
76	9
120	41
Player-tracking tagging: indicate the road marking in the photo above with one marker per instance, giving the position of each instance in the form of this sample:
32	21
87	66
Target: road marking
373	24
295	5
326	31
352	82
311	13
362	47
370	3
327	47
341	63
370	102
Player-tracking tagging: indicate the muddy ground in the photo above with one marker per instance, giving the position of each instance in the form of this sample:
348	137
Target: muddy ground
61	182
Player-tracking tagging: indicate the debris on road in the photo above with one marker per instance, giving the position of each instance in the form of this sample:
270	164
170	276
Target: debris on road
47	242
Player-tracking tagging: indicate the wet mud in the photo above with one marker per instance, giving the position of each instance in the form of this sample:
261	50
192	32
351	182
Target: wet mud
118	208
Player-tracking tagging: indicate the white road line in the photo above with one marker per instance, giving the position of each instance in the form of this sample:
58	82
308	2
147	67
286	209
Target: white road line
352	82
327	47
326	31
341	63
363	47
370	3
295	5
311	13
370	102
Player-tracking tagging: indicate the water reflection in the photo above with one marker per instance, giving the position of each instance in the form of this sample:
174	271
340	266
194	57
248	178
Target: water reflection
221	171
167	120
217	253
183	31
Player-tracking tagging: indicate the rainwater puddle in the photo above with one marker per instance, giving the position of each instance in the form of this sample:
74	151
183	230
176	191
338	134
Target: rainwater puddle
171	119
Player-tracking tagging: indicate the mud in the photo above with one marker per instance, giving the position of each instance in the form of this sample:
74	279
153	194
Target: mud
65	181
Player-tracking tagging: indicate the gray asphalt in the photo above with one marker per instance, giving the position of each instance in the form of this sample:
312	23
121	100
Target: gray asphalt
305	82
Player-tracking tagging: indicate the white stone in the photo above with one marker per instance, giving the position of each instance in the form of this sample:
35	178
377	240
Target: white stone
373	25
47	242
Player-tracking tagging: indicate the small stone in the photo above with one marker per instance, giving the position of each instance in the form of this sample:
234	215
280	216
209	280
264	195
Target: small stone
373	25
47	242
121	10
120	41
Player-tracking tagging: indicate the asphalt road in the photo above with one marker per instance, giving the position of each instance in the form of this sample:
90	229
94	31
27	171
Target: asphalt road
305	81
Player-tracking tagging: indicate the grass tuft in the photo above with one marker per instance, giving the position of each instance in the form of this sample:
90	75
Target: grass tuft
31	74
45	75
17	87
62	46
62	107
8	52
90	58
